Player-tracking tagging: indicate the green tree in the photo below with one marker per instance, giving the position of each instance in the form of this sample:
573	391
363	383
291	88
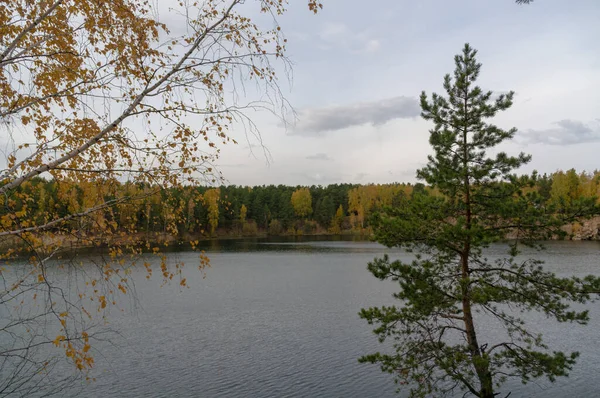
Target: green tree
545	186
266	214
286	210
324	211
418	189
257	208
451	289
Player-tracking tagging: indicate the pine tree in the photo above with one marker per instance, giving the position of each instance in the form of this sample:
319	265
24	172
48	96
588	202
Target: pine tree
452	289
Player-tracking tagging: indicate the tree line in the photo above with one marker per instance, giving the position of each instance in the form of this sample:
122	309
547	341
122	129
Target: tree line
201	211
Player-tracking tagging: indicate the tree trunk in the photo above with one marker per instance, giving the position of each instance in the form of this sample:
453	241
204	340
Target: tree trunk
479	359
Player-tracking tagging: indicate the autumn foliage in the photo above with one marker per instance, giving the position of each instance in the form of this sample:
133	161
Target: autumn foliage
114	103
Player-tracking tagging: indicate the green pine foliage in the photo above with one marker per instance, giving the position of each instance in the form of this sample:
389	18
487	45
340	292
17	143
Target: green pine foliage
452	289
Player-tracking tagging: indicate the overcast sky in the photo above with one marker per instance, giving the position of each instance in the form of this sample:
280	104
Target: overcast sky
359	67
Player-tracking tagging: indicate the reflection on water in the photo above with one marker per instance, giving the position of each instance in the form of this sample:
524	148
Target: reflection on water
291	243
278	318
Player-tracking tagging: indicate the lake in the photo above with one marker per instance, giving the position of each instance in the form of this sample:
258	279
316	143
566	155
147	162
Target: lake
279	319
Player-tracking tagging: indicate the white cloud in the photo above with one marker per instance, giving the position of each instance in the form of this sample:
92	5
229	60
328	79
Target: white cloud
372	46
334	32
319	156
340	35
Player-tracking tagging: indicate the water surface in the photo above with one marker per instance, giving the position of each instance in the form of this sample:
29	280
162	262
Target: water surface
279	319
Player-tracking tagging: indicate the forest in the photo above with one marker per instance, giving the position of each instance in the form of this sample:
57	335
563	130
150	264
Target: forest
115	113
198	212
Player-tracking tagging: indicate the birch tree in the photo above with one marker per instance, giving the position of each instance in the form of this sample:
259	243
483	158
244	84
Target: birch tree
95	94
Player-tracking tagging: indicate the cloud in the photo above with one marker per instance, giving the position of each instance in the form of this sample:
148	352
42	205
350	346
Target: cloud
319	178
340	35
234	165
334	32
319	120
319	156
566	132
372	46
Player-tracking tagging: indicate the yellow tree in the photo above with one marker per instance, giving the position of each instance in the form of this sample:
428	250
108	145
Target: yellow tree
102	92
302	202
190	219
338	220
243	214
589	184
362	199
211	200
566	187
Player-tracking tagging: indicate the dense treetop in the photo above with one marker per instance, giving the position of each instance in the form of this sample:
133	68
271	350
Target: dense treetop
208	211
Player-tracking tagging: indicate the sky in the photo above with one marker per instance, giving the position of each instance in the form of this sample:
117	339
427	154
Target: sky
359	67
